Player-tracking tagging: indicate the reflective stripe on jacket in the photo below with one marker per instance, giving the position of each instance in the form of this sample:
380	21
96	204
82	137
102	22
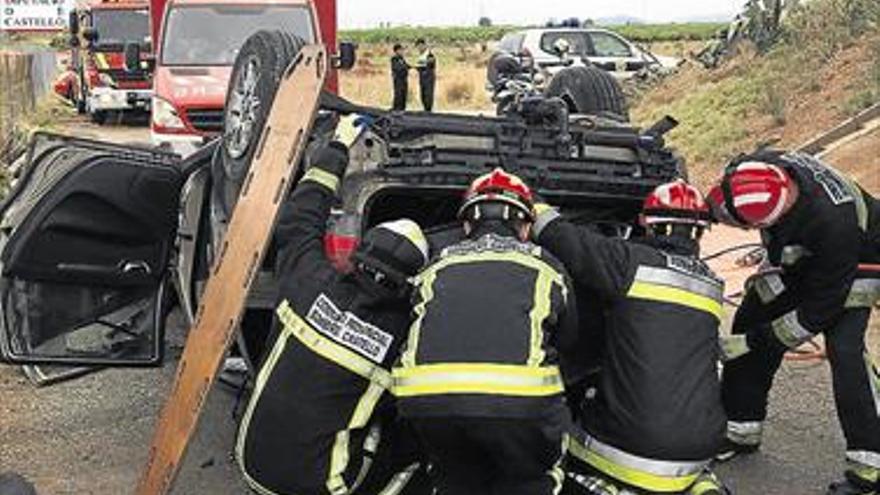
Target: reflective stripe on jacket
484	339
660	397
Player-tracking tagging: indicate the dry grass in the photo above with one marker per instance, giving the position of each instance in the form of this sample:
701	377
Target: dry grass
461	79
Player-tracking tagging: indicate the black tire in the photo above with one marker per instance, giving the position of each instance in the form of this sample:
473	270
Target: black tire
590	91
501	66
266	54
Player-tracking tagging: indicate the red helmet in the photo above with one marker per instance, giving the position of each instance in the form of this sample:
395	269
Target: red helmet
503	189
676	202
753	194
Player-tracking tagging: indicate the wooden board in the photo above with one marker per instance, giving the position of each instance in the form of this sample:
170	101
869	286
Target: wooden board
278	154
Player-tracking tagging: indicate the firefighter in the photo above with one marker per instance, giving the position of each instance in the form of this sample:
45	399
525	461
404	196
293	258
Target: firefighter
320	420
427	68
400	78
657	420
817	226
479	377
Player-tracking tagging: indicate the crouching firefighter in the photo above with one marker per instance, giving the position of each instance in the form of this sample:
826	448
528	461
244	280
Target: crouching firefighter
479	377
320	419
657	420
822	236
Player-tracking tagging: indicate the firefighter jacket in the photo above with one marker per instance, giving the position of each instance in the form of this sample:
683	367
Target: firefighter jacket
311	423
491	315
658	419
833	227
427	67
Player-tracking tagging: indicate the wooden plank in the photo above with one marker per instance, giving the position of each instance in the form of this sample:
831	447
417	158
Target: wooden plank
280	149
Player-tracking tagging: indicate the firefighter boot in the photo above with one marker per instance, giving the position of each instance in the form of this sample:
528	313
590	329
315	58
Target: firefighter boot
742	438
858	480
708	484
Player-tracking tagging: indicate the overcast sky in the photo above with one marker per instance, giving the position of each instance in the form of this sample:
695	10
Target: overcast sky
369	13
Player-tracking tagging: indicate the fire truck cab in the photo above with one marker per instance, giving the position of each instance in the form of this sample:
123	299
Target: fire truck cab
198	41
111	62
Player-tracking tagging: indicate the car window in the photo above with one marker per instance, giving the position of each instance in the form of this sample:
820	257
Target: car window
608	45
512	43
580	44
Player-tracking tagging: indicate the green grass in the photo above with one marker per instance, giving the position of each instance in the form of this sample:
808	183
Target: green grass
642	33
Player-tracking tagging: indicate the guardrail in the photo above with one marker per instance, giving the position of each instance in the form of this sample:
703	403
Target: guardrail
826	141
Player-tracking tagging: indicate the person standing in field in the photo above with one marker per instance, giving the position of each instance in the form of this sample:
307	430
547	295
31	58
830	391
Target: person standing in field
427	67
399	75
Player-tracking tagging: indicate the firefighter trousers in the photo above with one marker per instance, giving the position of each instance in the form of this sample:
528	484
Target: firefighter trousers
746	381
488	456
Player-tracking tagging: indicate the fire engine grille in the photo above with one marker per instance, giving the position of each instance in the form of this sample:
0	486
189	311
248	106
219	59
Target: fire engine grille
206	120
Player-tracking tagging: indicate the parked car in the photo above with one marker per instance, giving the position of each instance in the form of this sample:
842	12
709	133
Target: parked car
94	233
534	48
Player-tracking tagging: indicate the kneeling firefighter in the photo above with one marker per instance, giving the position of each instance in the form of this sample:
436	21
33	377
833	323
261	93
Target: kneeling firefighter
320	420
822	235
657	419
479	377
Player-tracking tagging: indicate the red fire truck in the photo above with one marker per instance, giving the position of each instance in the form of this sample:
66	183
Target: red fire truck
110	66
197	41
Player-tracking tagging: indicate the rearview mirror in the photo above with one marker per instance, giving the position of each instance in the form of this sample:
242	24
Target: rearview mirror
347	56
132	57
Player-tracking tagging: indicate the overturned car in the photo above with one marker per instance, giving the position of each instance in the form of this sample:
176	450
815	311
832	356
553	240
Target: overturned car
98	241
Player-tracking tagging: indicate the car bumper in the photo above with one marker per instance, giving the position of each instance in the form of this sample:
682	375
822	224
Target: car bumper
182	144
103	99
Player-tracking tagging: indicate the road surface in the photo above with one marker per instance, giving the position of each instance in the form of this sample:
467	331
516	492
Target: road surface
91	435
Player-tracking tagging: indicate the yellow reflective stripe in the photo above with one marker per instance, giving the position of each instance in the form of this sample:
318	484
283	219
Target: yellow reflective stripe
629	475
672	295
468	378
339	457
540	312
262	378
672	278
789	331
530	261
864	293
322	177
101	61
330	350
426	294
860	205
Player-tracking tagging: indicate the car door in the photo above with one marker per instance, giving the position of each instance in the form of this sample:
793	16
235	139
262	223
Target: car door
614	54
86	239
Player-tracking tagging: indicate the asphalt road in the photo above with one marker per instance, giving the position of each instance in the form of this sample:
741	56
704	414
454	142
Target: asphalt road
91	435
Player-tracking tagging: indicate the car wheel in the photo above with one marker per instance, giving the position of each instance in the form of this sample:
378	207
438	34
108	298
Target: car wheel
255	76
589	90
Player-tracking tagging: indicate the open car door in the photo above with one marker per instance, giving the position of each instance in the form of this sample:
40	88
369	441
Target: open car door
85	242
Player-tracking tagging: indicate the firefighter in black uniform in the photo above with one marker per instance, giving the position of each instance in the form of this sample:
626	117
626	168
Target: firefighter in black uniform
657	420
320	420
427	67
400	78
818	226
479	377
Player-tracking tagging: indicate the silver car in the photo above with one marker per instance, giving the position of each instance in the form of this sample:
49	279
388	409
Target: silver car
602	48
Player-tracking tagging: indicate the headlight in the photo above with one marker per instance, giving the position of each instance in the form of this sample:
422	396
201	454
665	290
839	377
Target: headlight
165	115
106	80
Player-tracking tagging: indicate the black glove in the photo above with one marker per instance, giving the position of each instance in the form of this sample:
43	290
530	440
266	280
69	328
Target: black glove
332	158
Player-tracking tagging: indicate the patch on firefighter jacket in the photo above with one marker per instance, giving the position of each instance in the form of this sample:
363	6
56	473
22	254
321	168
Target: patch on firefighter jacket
835	185
349	330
